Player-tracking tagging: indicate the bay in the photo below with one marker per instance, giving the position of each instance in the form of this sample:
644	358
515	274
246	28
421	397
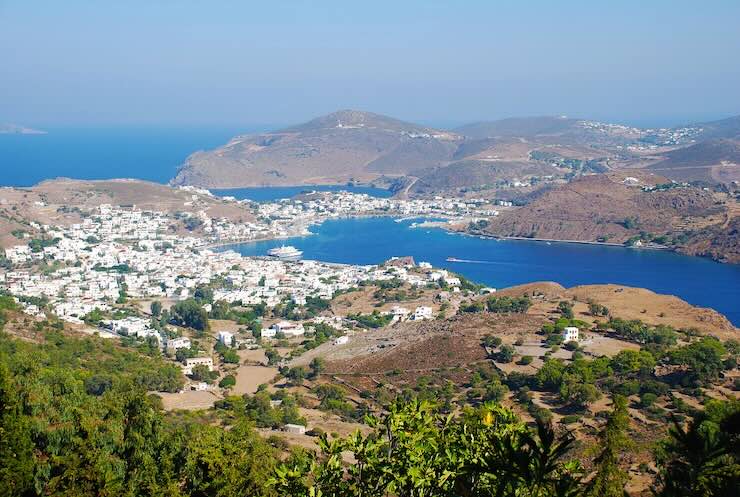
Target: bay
505	263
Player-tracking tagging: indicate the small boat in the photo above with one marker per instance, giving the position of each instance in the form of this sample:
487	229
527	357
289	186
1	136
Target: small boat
453	259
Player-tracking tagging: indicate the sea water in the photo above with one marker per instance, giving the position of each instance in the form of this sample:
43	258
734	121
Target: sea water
504	263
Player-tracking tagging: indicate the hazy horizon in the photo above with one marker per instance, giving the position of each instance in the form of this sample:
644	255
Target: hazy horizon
190	63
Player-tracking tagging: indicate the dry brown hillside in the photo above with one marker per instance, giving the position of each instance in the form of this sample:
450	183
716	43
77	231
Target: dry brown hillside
63	202
654	308
603	208
337	148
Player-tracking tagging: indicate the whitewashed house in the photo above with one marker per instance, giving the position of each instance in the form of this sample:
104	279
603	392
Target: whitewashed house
226	338
422	312
288	328
173	344
187	369
570	334
297	429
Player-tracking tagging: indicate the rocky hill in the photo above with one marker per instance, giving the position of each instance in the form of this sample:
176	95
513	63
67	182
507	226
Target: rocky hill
605	208
723	128
712	161
337	148
65	201
478	174
519	127
354	146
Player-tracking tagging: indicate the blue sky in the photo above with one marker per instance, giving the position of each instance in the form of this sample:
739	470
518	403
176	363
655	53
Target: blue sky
225	62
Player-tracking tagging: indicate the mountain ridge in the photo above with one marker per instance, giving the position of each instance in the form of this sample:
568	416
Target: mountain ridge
363	147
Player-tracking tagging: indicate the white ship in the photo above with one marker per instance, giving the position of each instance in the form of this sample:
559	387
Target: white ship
284	253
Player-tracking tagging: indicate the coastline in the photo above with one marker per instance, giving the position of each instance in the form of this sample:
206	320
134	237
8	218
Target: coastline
443	226
555	240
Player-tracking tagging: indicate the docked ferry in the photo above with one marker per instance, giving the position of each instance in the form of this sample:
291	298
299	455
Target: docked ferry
284	253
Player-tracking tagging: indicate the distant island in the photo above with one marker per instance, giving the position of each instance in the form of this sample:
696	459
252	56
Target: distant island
16	129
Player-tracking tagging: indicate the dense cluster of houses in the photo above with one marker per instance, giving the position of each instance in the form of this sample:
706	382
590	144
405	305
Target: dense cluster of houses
124	252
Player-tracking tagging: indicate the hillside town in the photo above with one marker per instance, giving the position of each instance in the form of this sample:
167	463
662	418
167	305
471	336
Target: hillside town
116	254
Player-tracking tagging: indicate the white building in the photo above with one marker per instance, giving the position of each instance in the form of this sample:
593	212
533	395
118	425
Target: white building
288	328
400	312
174	344
298	429
226	338
570	334
187	369
341	340
422	312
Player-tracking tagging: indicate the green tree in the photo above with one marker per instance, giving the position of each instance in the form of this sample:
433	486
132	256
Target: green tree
230	356
227	463
577	394
633	361
415	452
317	366
566	309
156	308
702	459
505	354
610	478
227	381
16	447
296	375
518	305
202	373
190	313
702	358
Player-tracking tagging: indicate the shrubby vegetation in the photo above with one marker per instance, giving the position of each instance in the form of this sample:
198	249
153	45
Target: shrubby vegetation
661	336
498	305
373	320
508	304
75	420
191	314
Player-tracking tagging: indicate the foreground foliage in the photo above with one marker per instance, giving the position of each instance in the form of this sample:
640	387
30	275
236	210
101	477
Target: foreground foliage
76	420
73	426
413	451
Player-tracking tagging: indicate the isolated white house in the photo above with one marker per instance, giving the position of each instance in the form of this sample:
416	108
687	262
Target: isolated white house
422	312
226	338
341	340
292	428
570	334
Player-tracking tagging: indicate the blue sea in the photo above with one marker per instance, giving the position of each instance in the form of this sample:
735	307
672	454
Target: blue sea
151	154
154	153
511	262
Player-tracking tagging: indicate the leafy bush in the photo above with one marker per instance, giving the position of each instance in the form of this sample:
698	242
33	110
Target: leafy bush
505	354
227	381
518	305
647	399
525	360
570	419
